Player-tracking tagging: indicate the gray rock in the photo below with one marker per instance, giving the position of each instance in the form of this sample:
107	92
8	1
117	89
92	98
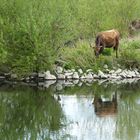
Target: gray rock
107	70
123	74
49	76
41	84
47	84
82	77
115	77
59	86
62	82
100	72
105	66
59	70
89	76
14	76
80	84
95	76
118	71
112	71
132	74
2	77
68	74
60	76
102	75
75	75
41	75
75	81
136	72
69	77
69	84
80	71
73	70
67	71
89	70
128	76
88	80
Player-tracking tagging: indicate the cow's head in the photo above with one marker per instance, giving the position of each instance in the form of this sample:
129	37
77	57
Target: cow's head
96	50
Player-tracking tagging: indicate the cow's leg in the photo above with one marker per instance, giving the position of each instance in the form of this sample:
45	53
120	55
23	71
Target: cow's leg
116	45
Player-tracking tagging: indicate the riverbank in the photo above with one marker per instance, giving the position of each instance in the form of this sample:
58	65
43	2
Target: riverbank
71	77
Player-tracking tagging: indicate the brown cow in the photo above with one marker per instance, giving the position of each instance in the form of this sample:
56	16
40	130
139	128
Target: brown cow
105	108
108	39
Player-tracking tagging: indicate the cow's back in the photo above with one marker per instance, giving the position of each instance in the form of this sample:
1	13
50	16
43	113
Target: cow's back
109	37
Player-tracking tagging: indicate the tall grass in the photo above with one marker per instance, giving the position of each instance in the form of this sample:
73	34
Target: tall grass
82	56
32	32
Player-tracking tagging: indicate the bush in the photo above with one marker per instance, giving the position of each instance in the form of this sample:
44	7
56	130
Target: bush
33	32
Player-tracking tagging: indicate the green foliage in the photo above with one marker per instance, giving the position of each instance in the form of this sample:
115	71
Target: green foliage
32	32
81	55
130	54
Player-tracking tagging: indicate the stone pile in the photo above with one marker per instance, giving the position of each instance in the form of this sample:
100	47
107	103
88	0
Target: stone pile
62	74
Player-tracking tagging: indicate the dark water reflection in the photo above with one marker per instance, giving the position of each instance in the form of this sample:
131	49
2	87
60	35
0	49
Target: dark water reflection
97	112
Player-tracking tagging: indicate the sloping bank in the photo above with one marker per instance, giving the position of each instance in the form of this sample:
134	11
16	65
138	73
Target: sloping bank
72	74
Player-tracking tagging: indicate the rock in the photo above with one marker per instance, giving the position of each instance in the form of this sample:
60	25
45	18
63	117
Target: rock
59	87
95	76
123	74
69	84
2	78
73	70
102	81
69	77
105	66
60	76
80	71
100	72
115	77
89	76
88	80
41	75
118	65
118	71
68	74
128	76
49	76
67	71
136	72
14	76
107	70
112	71
75	81
132	74
89	70
80	84
75	75
102	75
41	84
59	70
47	84
82	77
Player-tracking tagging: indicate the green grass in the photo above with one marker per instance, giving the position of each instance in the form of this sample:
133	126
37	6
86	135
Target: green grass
33	32
82	56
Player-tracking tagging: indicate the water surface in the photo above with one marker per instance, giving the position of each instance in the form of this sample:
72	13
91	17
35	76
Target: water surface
106	111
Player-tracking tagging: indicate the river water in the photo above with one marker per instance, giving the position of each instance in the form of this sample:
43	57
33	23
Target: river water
95	111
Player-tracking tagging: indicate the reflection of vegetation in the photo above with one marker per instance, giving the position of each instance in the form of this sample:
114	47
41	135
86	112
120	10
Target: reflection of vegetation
33	114
29	114
128	122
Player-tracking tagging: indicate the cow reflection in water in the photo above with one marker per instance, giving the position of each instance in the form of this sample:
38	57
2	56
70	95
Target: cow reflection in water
105	108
